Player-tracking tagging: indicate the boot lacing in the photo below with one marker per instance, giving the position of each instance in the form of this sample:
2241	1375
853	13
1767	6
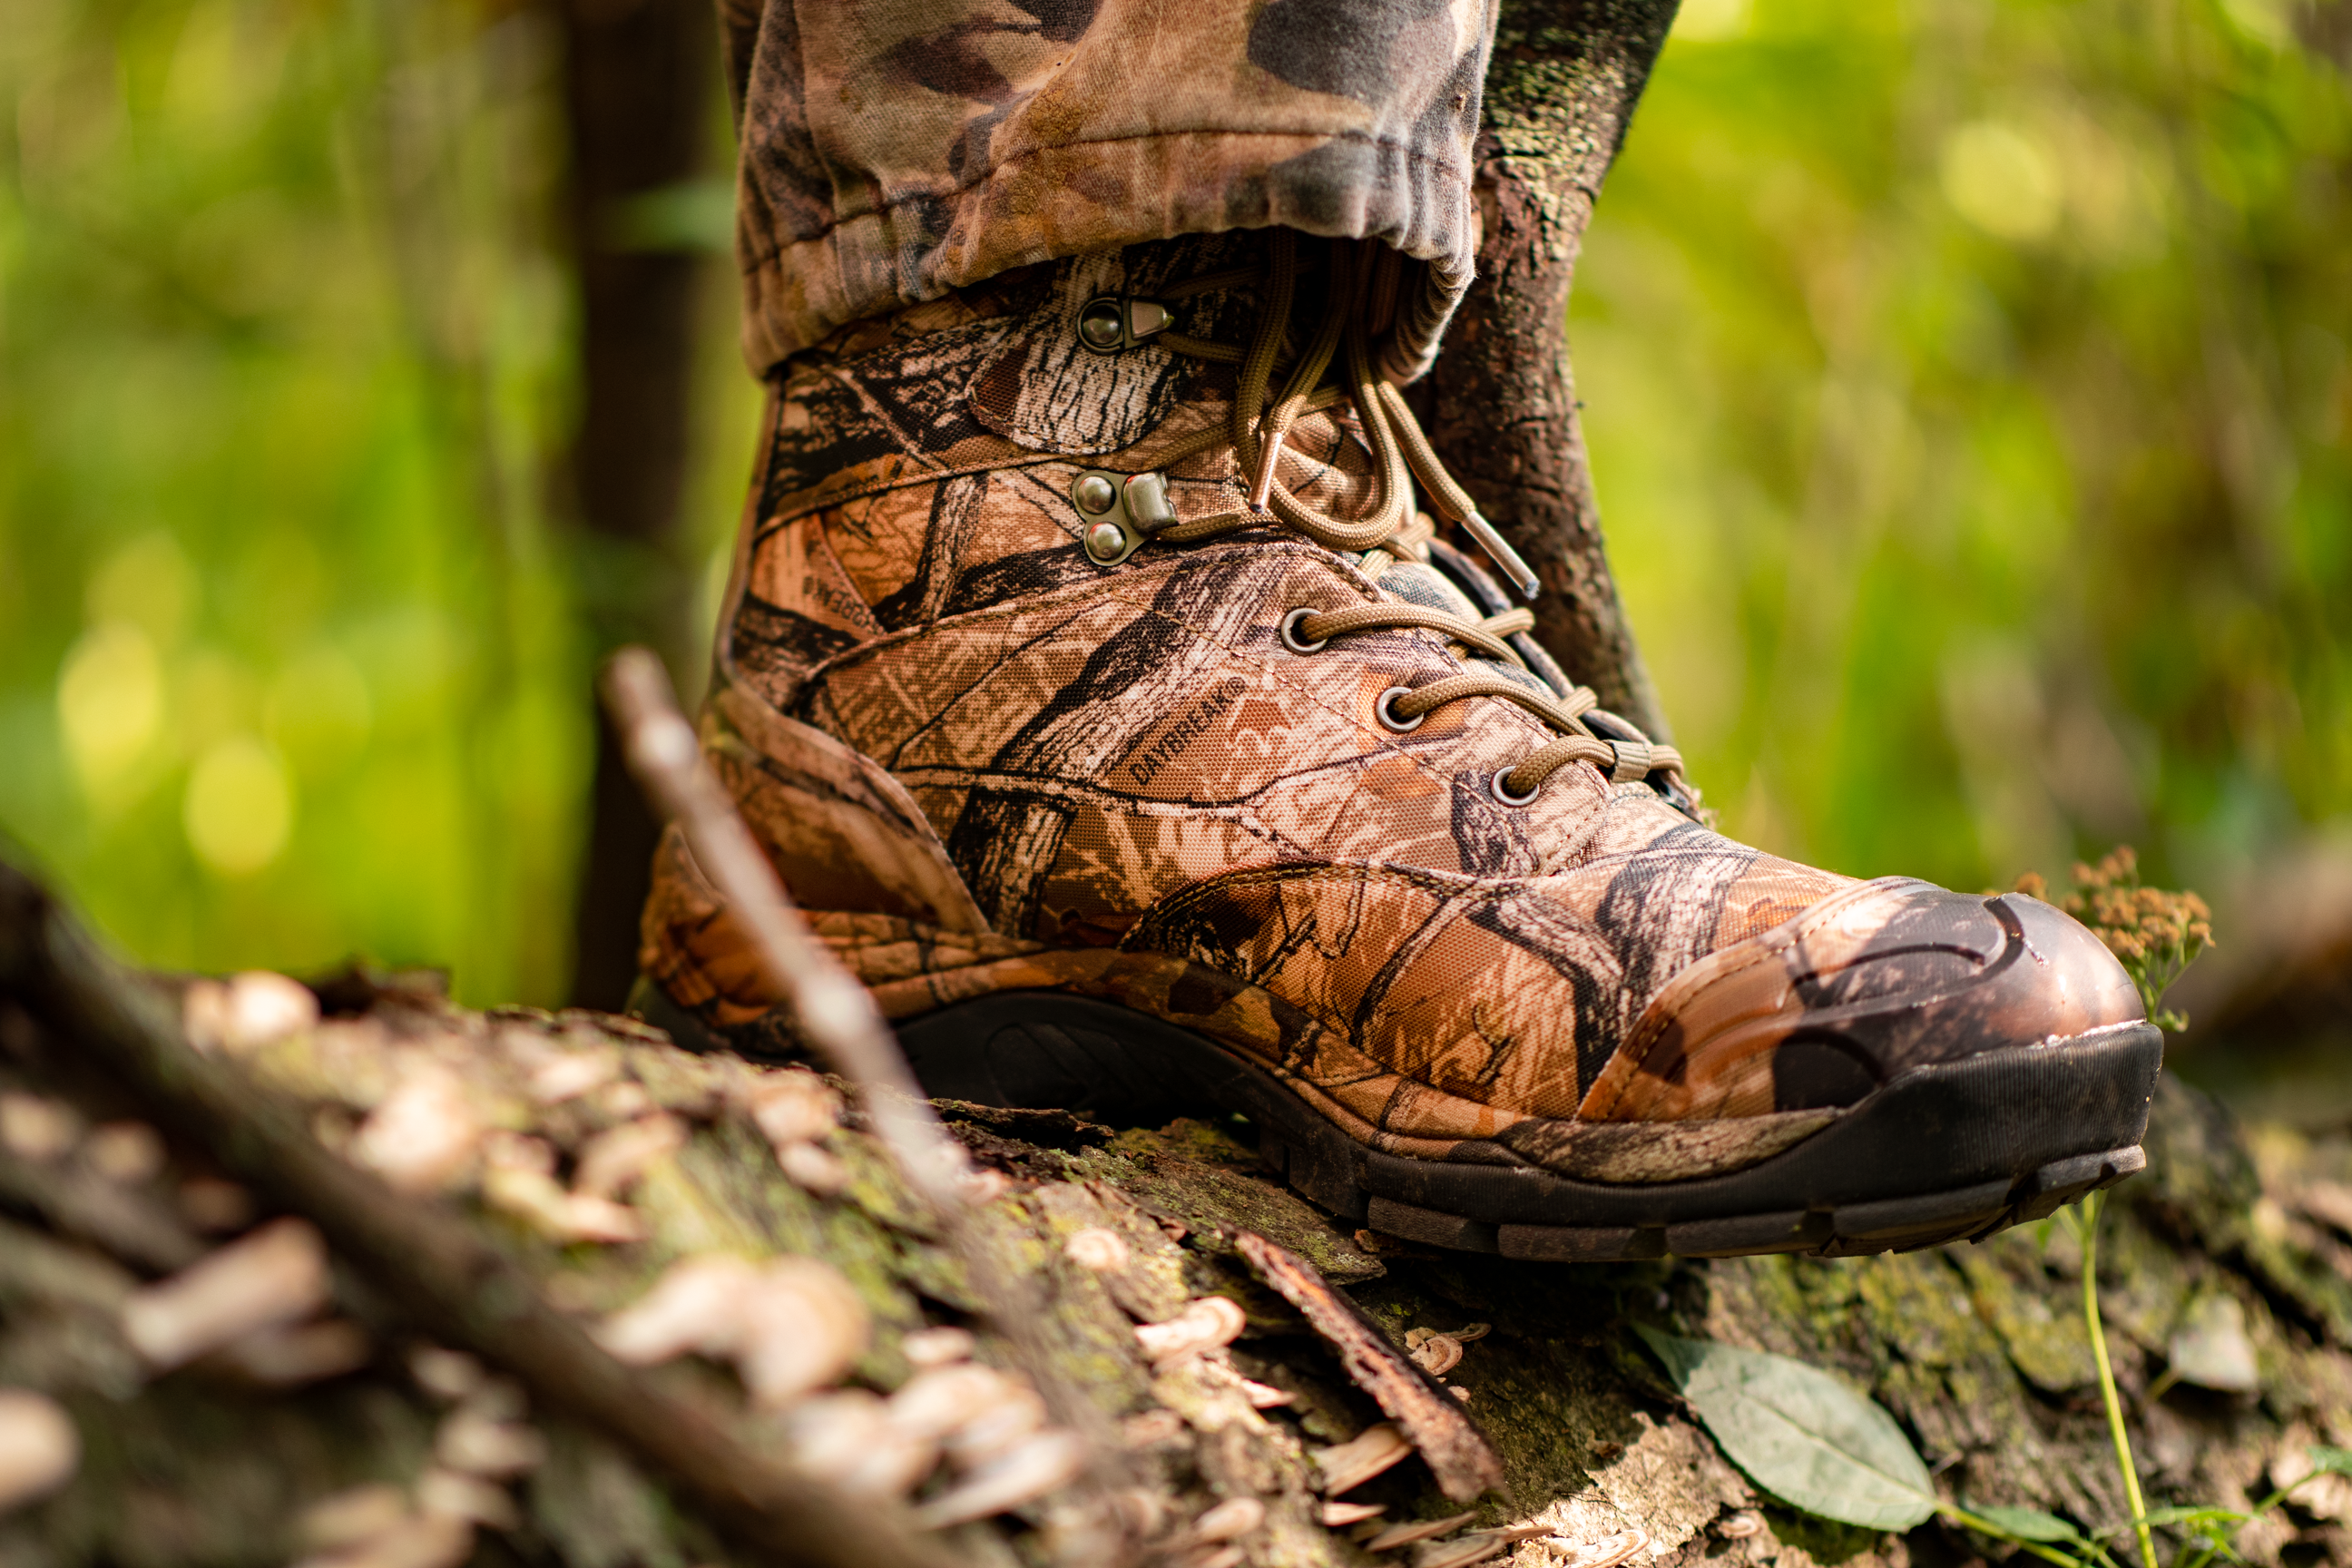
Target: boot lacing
1394	528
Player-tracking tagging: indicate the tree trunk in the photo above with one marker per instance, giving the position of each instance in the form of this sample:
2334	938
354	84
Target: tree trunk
638	88
1565	78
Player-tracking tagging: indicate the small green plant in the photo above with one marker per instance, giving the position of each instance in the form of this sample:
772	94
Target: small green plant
1813	1442
2155	933
1816	1443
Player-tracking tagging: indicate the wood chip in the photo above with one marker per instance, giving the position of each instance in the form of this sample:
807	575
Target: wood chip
1457	1453
346	1518
1438	1354
295	1354
40	1446
447	1376
456	1495
1046	1463
1605	1552
474	1443
1349	1465
37	1129
926	1348
247	1012
1099	1248
567	1074
417	1541
277	1275
422	1137
1264	1397
617	1157
1213	1557
128	1152
1405	1534
1458	1554
791	1105
1207	1324
1150	1428
817	1171
1340	1515
1230	1519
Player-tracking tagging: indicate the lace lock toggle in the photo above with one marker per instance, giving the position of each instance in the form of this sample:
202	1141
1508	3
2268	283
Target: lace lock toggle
1117	512
1634	760
1110	322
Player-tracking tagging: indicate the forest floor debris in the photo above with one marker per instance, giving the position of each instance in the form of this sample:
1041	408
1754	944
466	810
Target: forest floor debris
823	1326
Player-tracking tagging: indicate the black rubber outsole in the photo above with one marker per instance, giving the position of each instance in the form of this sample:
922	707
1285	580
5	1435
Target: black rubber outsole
1941	1153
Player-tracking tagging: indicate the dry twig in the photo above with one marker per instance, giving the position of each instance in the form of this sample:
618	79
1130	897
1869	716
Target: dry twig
838	1016
452	1283
1455	1450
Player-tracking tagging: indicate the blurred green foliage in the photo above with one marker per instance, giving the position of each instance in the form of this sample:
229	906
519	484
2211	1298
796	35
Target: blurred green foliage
291	660
1969	398
1969	405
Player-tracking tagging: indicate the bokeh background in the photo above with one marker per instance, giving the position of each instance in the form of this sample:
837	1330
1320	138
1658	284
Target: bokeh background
1967	381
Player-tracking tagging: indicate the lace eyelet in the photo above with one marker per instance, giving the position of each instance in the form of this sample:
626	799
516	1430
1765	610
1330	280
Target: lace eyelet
1383	710
1502	791
1291	638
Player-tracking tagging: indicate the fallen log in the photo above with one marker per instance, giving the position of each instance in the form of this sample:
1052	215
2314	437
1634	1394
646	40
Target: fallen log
587	1157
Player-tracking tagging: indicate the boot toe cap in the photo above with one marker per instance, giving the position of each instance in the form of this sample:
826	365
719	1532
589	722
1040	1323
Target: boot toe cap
1861	990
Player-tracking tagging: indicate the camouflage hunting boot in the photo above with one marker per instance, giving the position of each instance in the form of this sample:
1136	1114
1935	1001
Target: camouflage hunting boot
1096	684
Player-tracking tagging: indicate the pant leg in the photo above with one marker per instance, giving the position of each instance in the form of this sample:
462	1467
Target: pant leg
893	152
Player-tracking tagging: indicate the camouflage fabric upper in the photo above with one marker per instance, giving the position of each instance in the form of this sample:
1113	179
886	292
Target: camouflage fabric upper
985	761
892	151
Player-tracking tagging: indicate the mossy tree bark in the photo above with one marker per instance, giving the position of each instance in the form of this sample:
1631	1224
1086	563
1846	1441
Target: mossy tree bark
1502	402
1978	1352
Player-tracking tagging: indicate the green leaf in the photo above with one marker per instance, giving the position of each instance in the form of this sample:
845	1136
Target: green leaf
1800	1433
2334	1461
2026	1524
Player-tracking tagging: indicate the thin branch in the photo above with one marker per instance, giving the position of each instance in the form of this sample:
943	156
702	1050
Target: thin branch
1452	1445
836	1012
838	1017
448	1281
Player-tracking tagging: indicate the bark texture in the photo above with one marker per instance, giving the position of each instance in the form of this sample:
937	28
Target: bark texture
638	88
237	1458
1565	78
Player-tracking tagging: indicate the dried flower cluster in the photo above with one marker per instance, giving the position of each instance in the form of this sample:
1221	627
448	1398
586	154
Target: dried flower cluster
2155	933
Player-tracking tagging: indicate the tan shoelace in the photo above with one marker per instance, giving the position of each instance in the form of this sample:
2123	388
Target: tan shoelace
1368	272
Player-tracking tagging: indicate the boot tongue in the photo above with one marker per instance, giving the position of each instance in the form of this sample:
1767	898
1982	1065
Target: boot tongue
1417	584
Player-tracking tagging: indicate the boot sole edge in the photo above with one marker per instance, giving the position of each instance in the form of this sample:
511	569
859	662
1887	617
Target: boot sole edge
1943	1153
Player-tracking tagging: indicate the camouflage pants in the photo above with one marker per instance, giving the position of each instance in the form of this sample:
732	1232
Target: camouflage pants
894	151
